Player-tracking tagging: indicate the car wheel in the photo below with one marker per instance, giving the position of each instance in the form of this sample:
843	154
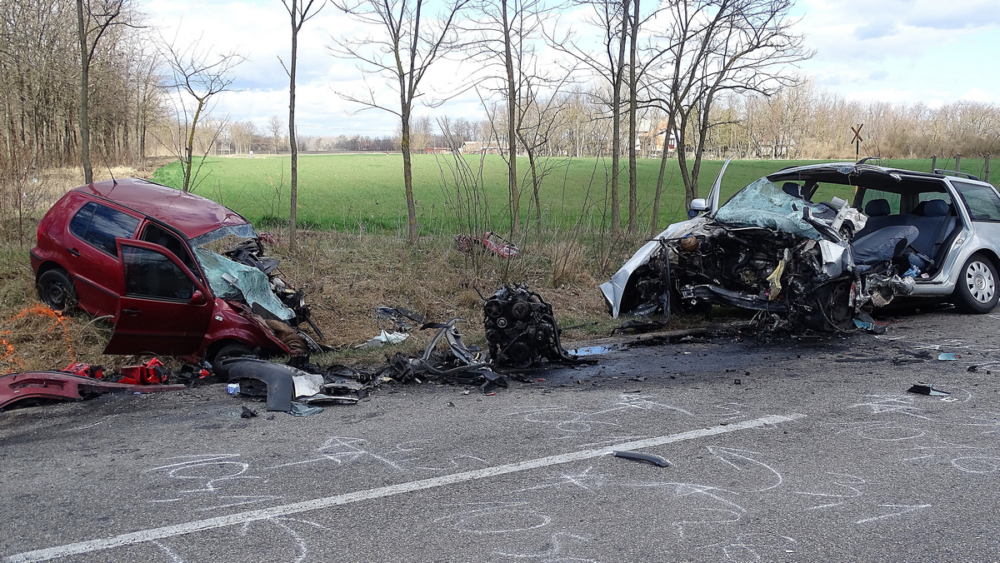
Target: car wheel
55	289
976	290
230	350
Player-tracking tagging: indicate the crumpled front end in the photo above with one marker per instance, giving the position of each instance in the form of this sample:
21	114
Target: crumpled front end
767	251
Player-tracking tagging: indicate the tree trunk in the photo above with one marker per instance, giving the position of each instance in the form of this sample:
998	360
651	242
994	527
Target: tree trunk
189	149
88	173
690	190
659	179
515	196
294	195
633	193
616	120
404	145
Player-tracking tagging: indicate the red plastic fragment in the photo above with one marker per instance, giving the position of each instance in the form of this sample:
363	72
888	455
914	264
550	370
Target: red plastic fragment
85	370
152	372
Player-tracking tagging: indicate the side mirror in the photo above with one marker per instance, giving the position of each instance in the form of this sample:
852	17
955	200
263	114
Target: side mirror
198	298
699	204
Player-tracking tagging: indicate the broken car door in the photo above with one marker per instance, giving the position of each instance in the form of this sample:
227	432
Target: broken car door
164	310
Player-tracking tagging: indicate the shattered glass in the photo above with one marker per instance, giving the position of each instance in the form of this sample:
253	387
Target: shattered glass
763	204
250	282
242	232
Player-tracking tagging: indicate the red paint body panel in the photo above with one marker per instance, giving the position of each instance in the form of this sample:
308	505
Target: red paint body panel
62	386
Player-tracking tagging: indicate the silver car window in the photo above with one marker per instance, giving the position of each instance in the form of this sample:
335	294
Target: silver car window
981	201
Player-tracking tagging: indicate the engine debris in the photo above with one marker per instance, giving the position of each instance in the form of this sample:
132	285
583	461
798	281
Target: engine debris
521	329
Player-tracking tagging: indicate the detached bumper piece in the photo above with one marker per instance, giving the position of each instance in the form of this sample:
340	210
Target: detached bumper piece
61	386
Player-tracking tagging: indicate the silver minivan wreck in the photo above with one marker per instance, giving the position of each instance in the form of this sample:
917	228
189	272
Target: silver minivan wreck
822	265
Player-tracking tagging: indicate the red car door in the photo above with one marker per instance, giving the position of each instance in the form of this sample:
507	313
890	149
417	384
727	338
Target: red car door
163	309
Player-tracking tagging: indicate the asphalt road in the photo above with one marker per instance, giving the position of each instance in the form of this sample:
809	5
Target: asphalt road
781	448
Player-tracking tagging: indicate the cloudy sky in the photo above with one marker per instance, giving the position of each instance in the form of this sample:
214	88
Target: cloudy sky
902	51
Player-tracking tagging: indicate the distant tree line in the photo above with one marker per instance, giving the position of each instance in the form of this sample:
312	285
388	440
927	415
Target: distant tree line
90	81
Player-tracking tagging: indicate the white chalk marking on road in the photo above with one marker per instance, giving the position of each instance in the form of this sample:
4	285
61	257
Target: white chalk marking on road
380	492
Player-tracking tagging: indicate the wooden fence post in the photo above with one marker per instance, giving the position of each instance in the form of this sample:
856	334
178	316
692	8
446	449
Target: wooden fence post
986	170
958	163
933	162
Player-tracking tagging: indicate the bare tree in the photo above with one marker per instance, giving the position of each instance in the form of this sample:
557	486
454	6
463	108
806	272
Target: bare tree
274	127
300	12
612	18
403	54
504	34
94	18
198	75
748	47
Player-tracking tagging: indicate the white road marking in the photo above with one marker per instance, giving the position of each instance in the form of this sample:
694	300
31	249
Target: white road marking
380	492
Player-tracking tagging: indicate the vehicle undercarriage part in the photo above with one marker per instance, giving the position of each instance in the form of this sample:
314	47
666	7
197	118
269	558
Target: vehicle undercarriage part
457	365
521	329
62	386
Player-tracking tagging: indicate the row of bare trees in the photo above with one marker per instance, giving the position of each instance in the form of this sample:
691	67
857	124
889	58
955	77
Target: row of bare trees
802	122
64	63
677	56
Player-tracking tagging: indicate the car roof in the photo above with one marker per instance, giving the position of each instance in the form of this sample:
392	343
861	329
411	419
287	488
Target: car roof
850	172
191	214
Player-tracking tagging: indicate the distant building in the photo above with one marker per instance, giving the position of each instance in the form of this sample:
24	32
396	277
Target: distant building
650	135
436	150
476	147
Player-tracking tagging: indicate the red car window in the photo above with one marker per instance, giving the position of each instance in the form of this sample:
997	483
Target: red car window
151	274
99	225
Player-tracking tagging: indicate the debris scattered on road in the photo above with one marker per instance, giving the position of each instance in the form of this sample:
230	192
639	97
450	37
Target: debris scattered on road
152	372
927	389
648	458
859	360
248	413
947	357
299	409
458	364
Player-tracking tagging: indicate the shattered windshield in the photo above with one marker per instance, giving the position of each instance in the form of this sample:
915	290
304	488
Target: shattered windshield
763	204
230	279
244	231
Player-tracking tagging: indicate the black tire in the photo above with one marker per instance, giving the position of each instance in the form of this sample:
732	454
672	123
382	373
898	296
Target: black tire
230	350
976	289
56	289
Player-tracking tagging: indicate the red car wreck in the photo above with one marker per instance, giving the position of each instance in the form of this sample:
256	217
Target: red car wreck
181	275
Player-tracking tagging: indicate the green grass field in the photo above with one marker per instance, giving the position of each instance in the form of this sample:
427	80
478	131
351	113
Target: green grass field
364	192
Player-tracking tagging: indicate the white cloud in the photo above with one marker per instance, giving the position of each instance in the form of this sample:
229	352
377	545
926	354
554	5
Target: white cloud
981	96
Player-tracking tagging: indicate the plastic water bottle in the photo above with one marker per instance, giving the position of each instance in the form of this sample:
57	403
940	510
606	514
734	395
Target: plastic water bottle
233	388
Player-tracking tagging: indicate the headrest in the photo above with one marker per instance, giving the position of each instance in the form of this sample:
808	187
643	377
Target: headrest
936	208
792	189
877	208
